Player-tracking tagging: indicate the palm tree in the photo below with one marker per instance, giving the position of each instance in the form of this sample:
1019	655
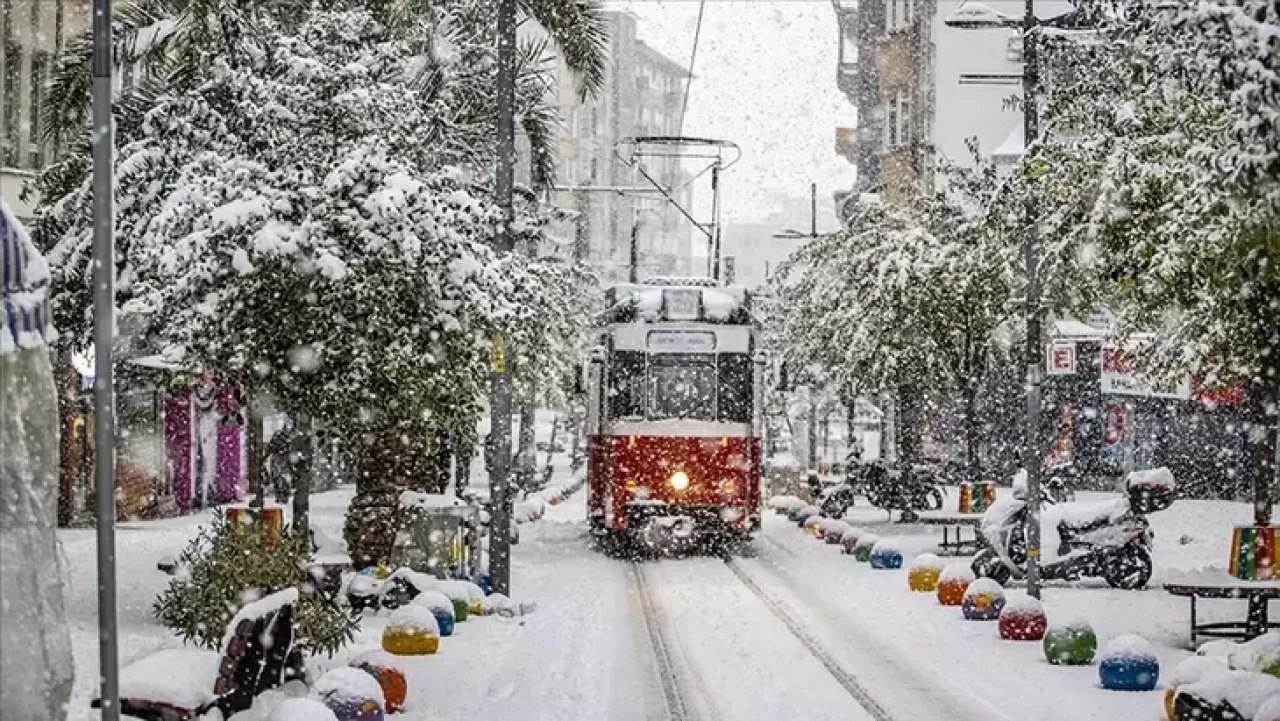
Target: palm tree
169	43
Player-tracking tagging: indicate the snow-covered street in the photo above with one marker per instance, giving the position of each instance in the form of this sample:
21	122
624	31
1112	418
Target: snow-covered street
787	627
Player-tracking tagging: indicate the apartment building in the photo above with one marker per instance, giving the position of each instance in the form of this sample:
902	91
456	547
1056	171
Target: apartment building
33	33
912	80
642	96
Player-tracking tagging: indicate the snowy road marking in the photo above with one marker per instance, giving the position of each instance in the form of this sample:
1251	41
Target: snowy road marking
842	677
667	674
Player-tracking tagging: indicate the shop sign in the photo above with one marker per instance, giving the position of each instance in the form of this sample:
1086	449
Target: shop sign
1118	378
1061	359
682	341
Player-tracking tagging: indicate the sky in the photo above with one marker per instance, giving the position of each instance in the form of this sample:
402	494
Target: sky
765	78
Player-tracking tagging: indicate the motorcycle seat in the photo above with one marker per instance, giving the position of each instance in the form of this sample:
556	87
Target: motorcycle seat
1078	519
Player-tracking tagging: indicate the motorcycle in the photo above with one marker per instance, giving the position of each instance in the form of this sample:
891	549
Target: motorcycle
906	491
1110	540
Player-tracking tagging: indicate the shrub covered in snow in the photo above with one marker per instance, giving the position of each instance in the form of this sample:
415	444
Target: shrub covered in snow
226	567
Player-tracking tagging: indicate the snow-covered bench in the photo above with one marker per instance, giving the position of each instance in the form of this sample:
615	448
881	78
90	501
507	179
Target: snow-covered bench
257	654
1221	585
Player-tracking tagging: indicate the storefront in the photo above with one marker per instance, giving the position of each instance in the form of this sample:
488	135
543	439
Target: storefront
1106	421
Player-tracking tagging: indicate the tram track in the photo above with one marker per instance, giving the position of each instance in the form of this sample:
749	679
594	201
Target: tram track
668	675
844	678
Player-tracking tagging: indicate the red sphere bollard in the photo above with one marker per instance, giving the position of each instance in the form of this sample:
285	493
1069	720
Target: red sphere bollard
1023	619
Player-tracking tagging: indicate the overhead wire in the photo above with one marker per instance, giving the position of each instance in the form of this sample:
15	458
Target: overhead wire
693	57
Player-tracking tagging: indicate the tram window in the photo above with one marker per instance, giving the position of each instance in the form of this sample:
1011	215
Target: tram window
626	385
735	388
682	386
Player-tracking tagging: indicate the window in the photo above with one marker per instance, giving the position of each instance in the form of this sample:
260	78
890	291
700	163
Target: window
899	14
736	384
682	385
898	130
626	385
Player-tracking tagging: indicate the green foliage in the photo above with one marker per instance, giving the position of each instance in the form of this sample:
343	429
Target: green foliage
224	567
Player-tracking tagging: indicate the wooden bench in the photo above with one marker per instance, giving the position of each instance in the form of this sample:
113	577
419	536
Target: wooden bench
954	522
1221	585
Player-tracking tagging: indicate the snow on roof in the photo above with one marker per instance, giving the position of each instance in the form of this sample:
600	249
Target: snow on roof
1075	330
259	609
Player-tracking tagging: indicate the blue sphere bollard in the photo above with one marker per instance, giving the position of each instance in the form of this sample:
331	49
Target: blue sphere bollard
444	619
886	555
1129	664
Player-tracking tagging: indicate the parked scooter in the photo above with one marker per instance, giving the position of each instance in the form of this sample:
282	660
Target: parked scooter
1110	540
1060	482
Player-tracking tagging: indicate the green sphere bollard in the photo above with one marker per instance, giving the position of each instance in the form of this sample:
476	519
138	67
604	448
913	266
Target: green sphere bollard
1071	645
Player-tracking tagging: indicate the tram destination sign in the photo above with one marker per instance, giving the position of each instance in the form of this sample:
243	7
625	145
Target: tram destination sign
682	341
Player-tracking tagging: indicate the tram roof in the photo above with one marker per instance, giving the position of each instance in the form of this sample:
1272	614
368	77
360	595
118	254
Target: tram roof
673	300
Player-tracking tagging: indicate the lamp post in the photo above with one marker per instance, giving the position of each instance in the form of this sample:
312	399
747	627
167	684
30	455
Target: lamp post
979	16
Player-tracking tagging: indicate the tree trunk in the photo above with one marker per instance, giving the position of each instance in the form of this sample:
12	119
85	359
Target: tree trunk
253	451
973	473
1265	418
386	466
909	429
302	471
66	378
526	453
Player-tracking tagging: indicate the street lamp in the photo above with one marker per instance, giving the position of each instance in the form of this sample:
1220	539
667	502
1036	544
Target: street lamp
979	16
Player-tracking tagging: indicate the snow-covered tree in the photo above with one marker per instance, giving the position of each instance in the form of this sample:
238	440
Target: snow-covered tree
903	301
292	226
1161	165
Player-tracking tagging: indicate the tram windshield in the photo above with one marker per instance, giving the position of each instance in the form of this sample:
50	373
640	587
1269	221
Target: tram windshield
682	386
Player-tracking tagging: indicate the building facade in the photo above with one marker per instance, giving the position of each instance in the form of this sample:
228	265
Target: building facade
33	33
911	78
642	96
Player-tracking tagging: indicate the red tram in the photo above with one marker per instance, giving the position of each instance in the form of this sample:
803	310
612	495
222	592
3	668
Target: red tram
674	415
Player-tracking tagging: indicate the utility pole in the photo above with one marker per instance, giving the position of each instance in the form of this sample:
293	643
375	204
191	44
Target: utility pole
104	402
633	265
980	16
500	380
1035	349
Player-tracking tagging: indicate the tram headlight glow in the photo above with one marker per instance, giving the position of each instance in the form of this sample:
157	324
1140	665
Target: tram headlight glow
679	480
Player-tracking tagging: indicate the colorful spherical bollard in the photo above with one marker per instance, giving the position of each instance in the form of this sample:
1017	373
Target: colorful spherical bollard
382	666
812	523
983	600
1070	644
351	694
922	576
953	582
804	514
1129	664
1023	619
835	532
441	607
862	549
411	631
850	539
886	555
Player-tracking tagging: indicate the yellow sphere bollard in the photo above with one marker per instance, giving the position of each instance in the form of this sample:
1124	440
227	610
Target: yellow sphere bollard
923	575
411	631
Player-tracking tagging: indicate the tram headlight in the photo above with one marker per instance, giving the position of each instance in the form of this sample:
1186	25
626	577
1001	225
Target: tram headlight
679	480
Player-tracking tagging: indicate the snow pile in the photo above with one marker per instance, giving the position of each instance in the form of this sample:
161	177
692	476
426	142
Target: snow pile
347	684
529	510
375	657
1246	691
927	561
1196	668
836	530
786	504
1269	711
1020	605
807	511
425	501
303	709
957	571
1129	647
984	587
1260	654
499	604
413	619
866	542
1074	624
260	609
181	677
